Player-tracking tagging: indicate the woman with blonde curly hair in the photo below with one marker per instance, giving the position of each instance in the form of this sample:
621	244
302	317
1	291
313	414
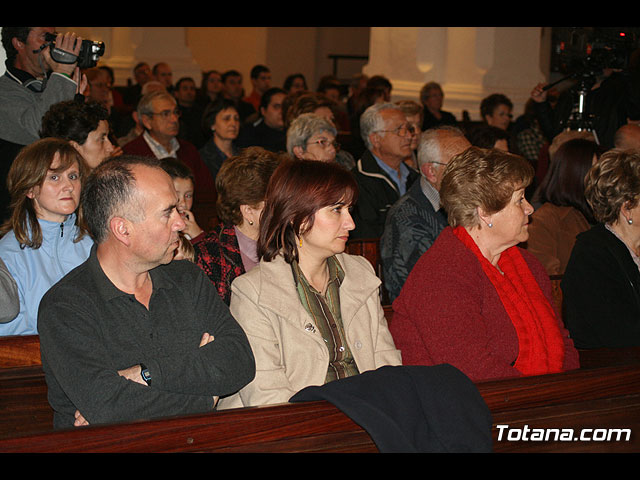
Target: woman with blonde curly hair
475	299
601	285
43	240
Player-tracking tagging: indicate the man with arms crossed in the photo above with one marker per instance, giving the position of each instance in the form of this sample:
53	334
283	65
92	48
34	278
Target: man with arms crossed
132	333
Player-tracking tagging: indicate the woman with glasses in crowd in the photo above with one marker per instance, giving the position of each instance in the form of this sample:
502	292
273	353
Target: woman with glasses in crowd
312	137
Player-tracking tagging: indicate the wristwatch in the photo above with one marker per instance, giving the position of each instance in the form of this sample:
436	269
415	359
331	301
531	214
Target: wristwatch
144	372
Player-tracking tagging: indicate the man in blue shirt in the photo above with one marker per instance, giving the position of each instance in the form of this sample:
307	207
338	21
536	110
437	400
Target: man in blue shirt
381	173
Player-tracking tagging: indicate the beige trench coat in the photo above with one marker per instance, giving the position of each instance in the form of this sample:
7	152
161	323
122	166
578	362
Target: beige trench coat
289	351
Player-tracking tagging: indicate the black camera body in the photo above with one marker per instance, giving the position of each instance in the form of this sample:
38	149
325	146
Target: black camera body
592	49
90	52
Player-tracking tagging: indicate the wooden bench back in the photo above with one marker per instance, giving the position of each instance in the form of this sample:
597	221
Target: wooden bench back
604	398
19	351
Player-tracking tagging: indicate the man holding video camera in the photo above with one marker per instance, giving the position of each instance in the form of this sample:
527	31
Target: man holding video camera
34	81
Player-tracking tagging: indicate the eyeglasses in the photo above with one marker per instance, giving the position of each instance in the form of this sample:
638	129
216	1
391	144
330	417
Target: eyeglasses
324	143
402	130
167	113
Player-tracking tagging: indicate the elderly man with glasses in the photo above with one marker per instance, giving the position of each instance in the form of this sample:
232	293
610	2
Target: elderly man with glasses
381	173
159	115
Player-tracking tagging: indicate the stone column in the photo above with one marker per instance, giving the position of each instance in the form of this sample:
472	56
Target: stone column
468	62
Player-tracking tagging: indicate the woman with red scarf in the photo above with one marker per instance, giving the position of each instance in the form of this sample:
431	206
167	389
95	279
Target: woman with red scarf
475	299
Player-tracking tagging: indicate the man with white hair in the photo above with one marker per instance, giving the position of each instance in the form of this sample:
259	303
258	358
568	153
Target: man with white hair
381	173
415	221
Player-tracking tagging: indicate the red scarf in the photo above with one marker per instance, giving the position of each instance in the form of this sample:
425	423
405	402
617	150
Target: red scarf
541	347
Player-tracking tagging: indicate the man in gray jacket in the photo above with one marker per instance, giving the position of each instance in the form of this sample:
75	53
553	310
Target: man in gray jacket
33	81
416	219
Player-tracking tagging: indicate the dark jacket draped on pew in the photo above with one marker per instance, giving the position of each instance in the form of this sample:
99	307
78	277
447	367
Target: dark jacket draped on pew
412	408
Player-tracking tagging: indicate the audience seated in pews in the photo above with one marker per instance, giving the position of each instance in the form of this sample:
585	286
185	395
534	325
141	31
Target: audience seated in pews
414	222
85	125
381	174
488	136
159	115
549	149
312	137
432	99
137	128
357	84
474	299
222	119
9	296
44	238
268	130
187	349
190	112
413	111
528	138
141	75
230	249
311	102
311	312
210	89
495	110
99	90
564	211
232	90
260	77
627	137
295	83
601	285
184	184
163	73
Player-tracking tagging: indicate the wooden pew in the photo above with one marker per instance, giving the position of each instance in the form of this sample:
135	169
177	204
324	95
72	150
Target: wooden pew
601	399
369	248
19	351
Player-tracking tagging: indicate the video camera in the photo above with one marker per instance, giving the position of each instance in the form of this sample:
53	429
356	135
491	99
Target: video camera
582	54
589	50
90	52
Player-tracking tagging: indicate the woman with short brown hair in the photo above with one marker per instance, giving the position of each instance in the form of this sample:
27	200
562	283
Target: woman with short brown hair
474	299
229	250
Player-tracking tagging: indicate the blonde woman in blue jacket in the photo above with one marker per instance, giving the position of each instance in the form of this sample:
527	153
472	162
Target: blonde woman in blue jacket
42	240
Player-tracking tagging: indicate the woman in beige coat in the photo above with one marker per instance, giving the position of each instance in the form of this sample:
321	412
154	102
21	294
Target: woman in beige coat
311	312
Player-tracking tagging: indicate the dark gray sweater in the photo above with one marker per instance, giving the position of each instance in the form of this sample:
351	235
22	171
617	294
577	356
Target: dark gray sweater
89	330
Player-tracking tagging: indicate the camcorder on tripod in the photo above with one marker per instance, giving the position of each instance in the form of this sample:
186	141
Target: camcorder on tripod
583	54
